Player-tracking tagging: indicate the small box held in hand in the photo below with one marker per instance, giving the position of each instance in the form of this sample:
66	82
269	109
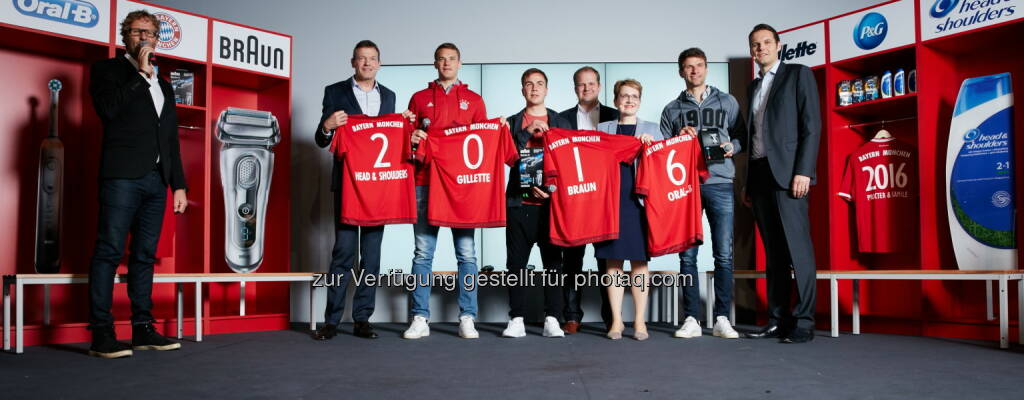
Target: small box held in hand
712	143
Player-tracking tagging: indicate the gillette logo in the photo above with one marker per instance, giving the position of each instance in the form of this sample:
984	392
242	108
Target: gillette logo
75	12
871	30
957	14
800	50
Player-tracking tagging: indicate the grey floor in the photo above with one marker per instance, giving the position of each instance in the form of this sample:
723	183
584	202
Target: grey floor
288	364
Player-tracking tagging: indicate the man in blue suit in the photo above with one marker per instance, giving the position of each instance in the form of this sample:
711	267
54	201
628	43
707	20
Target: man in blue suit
360	94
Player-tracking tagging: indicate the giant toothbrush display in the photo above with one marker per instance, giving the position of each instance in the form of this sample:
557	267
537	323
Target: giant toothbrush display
246	166
50	192
980	196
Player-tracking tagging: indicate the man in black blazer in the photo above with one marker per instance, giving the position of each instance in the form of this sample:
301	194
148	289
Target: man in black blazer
528	211
785	128
360	94
587	113
139	159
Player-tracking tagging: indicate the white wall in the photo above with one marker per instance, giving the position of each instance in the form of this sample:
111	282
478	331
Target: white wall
487	32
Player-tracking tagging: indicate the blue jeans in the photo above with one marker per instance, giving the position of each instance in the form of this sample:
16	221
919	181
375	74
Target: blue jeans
133	206
718	201
423	260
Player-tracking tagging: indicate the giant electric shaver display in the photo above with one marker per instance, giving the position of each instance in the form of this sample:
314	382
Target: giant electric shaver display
51	183
980	199
246	165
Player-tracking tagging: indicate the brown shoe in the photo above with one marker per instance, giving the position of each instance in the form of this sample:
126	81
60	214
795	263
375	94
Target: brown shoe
571	327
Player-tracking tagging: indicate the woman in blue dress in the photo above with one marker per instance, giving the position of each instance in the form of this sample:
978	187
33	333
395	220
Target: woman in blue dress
632	242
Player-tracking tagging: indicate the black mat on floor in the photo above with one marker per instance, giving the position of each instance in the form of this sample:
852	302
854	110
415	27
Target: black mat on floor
289	364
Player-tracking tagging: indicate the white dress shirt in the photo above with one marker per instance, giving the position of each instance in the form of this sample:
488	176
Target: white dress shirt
369	101
588	119
757	108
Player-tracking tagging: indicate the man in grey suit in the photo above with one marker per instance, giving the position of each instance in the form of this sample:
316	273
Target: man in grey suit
785	128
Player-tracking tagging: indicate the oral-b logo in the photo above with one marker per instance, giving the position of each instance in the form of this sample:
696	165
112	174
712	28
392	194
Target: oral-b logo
74	12
942	8
871	30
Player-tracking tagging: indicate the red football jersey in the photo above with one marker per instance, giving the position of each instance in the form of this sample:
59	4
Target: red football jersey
584	167
467	174
377	178
669	176
879	181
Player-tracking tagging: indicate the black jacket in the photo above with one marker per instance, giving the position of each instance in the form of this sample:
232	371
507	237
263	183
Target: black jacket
339	97
606	114
513	193
792	123
133	135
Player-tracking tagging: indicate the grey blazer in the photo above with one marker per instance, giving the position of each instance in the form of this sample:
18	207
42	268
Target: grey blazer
642	127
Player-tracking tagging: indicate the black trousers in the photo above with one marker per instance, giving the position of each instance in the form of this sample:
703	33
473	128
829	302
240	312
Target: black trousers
572	258
527	225
126	205
343	257
786	234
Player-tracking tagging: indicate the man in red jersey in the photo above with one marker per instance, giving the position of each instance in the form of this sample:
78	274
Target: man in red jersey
445	103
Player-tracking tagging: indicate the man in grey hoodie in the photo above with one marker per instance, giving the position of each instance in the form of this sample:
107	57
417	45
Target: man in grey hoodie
705	107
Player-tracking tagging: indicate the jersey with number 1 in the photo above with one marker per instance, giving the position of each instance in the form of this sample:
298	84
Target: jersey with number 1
668	176
584	168
467	174
377	177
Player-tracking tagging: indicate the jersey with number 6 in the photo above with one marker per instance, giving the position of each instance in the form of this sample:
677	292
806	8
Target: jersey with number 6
669	176
879	182
584	167
467	174
377	186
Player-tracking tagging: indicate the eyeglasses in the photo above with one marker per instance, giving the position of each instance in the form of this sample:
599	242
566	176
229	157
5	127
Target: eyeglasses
144	33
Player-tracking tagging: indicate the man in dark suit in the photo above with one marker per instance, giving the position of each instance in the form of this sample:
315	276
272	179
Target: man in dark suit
360	94
785	128
587	113
140	157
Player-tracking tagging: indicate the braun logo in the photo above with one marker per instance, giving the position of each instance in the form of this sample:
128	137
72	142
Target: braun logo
250	51
802	49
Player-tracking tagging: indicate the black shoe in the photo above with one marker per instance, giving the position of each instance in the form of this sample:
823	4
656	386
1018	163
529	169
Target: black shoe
364	330
145	337
105	344
328	332
768	332
799	335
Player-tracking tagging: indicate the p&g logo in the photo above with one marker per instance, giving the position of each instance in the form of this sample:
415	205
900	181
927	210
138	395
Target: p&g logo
871	30
75	12
942	8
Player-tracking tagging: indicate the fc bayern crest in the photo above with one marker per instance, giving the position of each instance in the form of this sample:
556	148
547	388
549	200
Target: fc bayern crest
170	32
464	104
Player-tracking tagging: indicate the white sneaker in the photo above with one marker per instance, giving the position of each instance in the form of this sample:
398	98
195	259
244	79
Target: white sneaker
723	328
551	328
690	329
466	328
417	329
515	328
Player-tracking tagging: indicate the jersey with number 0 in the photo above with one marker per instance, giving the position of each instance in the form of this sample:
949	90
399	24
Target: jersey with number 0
879	181
377	177
584	168
467	174
668	176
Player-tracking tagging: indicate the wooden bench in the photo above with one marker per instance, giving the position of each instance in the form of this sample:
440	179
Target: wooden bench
833	276
19	281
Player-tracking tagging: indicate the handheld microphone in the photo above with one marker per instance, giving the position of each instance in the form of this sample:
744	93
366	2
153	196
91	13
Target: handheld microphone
152	55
